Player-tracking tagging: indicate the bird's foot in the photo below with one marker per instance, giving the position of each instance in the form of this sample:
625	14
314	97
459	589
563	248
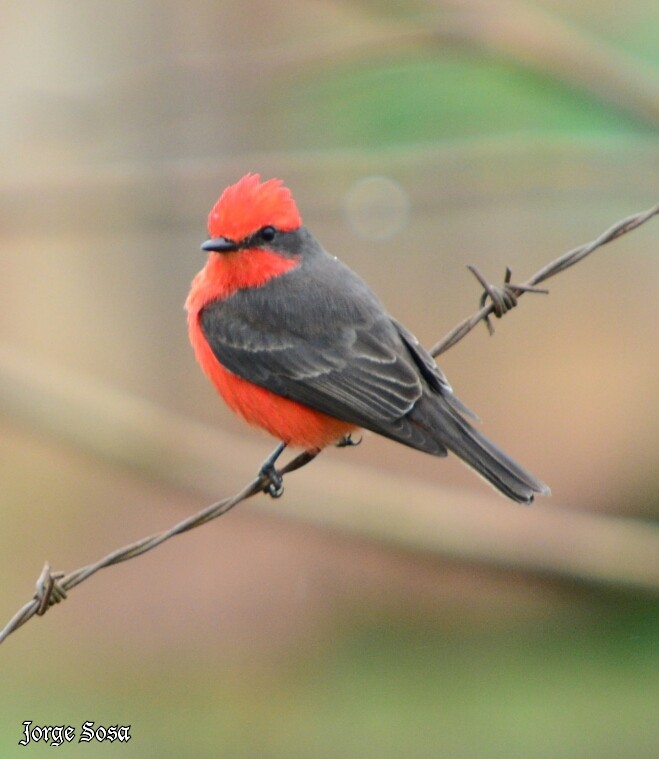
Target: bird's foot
347	441
274	482
274	486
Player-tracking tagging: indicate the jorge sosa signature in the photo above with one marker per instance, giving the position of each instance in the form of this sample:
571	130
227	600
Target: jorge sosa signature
58	734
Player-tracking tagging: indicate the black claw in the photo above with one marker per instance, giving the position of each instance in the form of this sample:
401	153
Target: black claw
347	441
275	482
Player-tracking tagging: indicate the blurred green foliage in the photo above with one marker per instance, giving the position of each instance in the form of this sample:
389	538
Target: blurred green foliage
378	690
446	98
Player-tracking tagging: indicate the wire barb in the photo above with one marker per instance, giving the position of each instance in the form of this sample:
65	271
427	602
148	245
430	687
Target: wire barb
49	590
552	268
52	587
502	298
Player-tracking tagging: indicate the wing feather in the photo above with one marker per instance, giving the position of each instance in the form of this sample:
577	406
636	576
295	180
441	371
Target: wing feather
339	352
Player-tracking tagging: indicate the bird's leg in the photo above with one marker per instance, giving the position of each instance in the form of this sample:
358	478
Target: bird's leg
275	484
347	441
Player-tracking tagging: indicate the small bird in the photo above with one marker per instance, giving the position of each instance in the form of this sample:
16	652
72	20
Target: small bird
298	344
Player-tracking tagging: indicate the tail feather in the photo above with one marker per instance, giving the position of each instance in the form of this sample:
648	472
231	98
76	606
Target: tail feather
481	454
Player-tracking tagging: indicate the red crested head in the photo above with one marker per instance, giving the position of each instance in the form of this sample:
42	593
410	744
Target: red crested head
249	205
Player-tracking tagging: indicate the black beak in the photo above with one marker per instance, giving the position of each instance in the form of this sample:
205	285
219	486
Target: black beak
220	245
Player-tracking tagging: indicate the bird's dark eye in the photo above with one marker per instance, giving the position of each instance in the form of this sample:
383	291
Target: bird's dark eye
268	234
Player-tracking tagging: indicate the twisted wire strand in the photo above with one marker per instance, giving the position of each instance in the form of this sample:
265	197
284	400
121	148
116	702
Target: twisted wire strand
499	297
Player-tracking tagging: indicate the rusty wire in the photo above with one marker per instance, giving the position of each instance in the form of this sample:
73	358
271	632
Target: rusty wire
52	587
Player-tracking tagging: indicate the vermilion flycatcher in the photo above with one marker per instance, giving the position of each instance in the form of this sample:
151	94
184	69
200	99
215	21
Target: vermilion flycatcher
295	342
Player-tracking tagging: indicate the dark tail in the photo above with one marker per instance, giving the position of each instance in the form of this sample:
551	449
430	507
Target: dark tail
449	428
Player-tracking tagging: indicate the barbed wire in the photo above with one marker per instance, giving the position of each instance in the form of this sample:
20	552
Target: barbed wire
502	299
52	587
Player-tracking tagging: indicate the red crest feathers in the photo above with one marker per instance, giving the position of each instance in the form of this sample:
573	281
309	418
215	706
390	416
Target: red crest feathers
249	205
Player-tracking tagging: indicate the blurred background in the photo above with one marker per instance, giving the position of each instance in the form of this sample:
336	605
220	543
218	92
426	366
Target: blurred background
390	604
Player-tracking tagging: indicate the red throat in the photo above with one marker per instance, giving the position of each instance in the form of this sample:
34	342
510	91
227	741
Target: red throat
225	273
